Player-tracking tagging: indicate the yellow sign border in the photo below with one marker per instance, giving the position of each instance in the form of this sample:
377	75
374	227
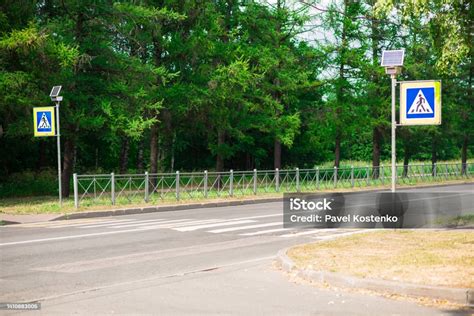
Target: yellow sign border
436	84
53	121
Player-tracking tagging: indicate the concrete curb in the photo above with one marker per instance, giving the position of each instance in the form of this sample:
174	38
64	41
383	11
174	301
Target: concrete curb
163	208
181	207
458	295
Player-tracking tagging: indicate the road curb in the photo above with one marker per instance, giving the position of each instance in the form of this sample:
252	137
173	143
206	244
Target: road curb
163	208
457	295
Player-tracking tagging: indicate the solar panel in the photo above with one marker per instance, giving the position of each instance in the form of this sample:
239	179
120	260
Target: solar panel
55	91
393	58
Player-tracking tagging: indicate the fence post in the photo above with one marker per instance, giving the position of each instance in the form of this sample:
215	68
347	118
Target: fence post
335	177
382	172
147	188
368	176
112	187
205	184
435	172
177	185
352	176
277	180
76	192
467	169
298	180
231	183
255	181
317	178
447	172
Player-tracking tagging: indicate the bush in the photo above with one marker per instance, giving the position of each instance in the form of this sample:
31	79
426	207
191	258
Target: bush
29	183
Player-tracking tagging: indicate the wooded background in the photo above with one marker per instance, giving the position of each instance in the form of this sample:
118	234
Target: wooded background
198	84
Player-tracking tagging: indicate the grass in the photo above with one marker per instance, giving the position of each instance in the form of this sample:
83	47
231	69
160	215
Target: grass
433	257
49	204
386	163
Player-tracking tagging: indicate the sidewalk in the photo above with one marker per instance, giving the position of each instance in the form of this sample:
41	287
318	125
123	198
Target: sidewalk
23	219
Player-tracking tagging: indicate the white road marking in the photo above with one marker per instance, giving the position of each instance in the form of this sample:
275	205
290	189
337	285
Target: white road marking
315	231
224	230
100	224
178	223
268	231
64	223
123	224
192	228
71	237
253	217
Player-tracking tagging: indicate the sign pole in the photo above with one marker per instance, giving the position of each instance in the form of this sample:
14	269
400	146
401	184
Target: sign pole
394	127
58	138
392	60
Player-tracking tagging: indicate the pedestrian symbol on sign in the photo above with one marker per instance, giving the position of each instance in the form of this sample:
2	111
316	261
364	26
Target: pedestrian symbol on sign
421	102
44	123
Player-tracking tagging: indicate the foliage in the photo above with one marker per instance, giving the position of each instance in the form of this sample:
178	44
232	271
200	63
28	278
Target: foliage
211	84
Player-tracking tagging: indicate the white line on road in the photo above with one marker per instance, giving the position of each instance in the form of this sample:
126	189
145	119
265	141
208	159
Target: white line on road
102	224
69	223
268	231
224	230
191	228
177	223
137	223
70	237
311	232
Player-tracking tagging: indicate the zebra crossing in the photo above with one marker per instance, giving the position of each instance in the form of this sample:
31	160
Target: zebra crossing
258	225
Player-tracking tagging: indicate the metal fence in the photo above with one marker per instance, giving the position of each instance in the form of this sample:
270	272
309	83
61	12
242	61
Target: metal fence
136	188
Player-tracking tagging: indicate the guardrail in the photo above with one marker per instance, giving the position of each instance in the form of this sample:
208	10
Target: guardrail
135	188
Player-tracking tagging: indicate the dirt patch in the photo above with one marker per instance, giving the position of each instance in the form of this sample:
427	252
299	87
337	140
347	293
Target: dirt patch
429	257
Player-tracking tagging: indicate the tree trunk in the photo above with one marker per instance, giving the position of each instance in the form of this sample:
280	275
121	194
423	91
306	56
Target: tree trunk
277	154
249	162
41	155
434	157
154	148
464	154
376	139
140	165
124	155
337	150
219	158
96	158
68	156
406	160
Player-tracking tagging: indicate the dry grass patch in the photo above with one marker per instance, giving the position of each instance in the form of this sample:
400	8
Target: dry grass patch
430	257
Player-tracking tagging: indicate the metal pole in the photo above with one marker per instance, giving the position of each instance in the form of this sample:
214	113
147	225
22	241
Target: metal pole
335	176
177	185
277	180
352	176
205	184
231	183
394	126
58	139
112	187
254	181
298	180
147	189
76	192
317	178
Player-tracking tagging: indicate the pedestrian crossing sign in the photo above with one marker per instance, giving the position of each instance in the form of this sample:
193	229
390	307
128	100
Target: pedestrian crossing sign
44	121
420	102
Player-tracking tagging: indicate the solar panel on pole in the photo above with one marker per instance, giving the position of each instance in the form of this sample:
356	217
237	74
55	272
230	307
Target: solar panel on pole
392	58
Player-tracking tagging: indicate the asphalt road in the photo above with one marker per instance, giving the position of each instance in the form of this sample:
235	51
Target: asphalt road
203	261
